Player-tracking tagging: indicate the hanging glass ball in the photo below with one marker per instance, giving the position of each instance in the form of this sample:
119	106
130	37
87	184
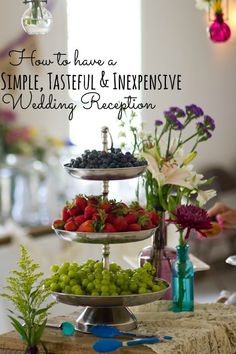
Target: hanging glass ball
36	19
219	31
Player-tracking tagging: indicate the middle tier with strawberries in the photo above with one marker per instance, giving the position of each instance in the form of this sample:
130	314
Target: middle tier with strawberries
94	219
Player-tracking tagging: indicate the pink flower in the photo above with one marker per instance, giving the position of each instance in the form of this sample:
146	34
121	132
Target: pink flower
7	116
191	217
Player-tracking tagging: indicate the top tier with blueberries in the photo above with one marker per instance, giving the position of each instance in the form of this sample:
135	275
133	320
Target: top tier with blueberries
114	158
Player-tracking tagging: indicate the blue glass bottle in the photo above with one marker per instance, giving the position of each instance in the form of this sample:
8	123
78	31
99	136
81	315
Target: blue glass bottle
183	281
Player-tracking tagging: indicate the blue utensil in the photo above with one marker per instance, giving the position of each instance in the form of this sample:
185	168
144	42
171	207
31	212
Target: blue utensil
110	332
110	345
67	328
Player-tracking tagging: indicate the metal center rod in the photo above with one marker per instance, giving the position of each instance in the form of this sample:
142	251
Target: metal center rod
106	248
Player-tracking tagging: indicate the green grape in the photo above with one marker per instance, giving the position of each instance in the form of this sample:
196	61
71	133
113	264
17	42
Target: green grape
77	290
113	287
105	282
156	287
105	272
90	277
62	285
142	290
81	274
90	261
67	289
85	283
104	293
147	266
55	287
113	267
98	266
73	282
95	293
90	287
125	293
54	268
98	274
114	293
105	288
55	278
72	274
133	286
86	269
65	278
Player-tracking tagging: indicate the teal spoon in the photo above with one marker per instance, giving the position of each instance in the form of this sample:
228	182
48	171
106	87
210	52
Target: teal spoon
110	345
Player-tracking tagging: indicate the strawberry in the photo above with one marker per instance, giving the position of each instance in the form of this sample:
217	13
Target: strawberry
108	228
120	223
70	226
110	218
131	218
65	215
145	222
74	210
87	226
120	209
93	200
154	217
89	211
106	206
59	224
81	202
134	227
79	220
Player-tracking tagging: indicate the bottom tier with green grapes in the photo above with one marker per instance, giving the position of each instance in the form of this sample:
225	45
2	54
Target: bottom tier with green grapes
105	289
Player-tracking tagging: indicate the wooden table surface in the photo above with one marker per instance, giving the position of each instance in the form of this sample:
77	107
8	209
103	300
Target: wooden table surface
57	343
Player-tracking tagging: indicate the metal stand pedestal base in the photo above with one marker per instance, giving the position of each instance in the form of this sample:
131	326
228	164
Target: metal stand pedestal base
119	317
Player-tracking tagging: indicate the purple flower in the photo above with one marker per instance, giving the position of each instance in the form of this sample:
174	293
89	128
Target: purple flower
158	122
173	121
7	116
178	125
209	122
203	131
194	110
178	111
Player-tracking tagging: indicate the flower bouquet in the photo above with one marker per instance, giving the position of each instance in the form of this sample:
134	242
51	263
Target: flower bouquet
170	179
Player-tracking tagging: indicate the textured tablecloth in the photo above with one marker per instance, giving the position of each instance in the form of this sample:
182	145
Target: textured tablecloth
210	329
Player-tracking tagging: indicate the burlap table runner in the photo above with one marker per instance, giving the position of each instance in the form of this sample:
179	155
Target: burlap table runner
210	329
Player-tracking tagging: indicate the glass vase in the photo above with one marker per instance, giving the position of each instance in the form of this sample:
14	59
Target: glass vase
183	281
159	255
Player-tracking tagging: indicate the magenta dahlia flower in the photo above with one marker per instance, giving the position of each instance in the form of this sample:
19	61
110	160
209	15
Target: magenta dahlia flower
191	217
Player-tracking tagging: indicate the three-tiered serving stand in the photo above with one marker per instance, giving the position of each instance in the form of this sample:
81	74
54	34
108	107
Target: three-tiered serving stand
106	310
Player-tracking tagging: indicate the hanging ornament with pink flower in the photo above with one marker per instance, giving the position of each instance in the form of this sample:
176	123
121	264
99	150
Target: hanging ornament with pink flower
218	30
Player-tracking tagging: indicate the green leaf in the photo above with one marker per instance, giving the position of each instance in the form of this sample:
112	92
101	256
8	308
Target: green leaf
39	332
19	328
171	204
44	347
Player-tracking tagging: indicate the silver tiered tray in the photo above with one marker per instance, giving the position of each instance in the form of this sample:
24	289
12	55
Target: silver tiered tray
105	238
106	174
108	310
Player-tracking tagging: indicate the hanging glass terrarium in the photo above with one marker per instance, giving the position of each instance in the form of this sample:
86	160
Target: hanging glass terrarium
36	19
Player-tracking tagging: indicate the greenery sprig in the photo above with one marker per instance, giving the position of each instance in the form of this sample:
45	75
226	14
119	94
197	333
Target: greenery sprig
26	291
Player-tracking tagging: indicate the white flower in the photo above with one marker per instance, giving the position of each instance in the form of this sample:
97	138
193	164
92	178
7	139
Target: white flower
202	5
170	173
204	196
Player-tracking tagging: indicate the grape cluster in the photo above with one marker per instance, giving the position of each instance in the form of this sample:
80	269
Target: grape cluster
101	159
92	279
